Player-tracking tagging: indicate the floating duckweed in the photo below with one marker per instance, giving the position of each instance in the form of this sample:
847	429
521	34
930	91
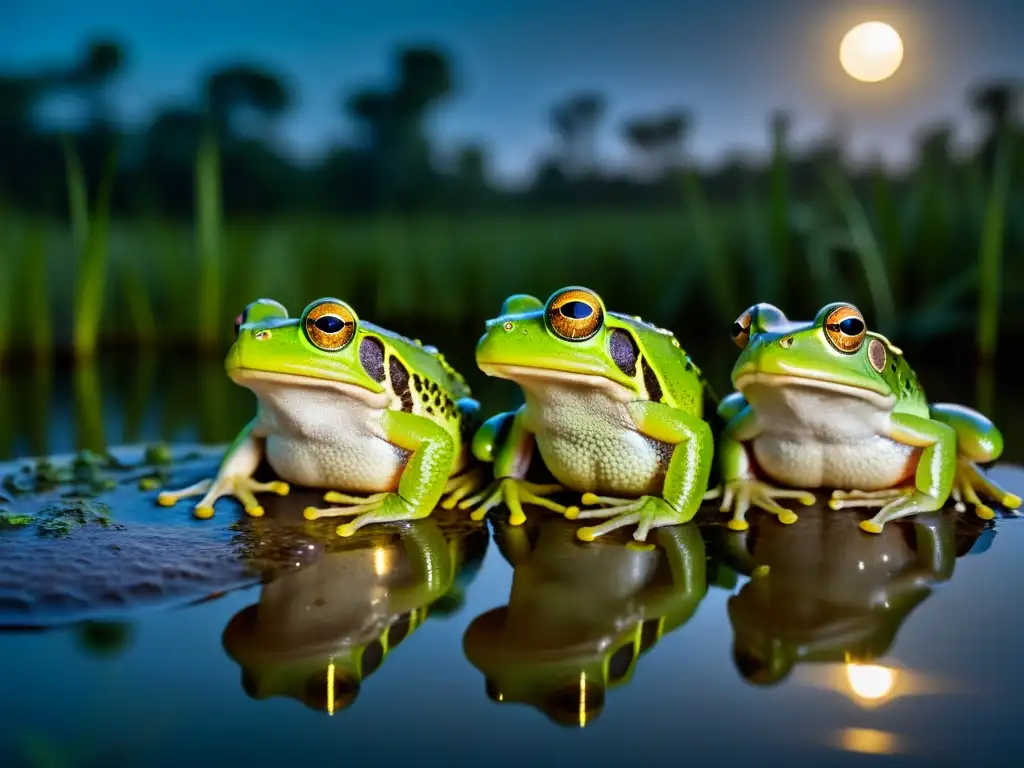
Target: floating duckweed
149	483
12	520
60	520
157	454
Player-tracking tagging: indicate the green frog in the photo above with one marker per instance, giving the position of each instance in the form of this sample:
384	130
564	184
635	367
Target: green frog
613	405
318	632
580	617
816	594
344	405
830	404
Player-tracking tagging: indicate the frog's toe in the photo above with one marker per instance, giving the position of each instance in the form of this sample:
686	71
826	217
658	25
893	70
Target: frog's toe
787	517
712	494
984	511
737	525
870	526
1011	501
170	498
203	511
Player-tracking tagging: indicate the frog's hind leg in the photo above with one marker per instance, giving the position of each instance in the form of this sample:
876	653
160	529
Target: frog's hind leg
969	481
978	441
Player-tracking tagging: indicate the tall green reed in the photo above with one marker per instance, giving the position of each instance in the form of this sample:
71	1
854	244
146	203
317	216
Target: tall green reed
89	231
990	256
209	239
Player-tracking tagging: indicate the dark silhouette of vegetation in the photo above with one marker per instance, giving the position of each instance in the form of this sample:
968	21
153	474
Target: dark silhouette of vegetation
390	167
421	232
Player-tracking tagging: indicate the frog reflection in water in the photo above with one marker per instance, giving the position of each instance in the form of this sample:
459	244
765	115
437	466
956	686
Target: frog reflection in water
830	404
820	593
579	616
613	405
344	405
319	632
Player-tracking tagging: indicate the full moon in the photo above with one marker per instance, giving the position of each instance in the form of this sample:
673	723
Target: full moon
871	52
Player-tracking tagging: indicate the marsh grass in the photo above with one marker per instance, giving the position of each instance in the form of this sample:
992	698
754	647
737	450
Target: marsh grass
209	242
89	235
990	256
922	255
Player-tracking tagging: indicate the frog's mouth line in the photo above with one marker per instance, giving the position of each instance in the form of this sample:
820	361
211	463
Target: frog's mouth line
530	374
877	399
255	379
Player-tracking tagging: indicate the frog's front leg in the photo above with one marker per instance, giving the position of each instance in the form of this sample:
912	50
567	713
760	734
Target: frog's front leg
234	478
933	479
505	440
685	480
741	488
422	482
978	441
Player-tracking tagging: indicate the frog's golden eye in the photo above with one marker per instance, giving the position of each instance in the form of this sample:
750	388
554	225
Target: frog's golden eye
330	325
575	314
845	328
741	330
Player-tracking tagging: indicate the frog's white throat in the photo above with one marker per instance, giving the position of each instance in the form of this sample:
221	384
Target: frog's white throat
279	387
541	379
759	387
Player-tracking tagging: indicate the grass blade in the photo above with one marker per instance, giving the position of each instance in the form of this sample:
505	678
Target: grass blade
90	234
990	256
209	241
865	246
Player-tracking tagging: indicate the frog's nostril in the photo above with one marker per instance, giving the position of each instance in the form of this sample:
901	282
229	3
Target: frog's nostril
787	342
509	326
261	335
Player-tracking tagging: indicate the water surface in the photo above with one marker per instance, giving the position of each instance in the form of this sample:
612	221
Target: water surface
809	644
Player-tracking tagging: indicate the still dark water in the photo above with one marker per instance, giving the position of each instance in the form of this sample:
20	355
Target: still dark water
484	644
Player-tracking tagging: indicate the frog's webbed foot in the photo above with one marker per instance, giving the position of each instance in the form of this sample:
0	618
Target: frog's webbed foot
971	484
895	503
514	493
241	488
739	495
645	512
376	508
462	485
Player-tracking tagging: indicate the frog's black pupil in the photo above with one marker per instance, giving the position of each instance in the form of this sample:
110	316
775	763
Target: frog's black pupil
851	326
329	323
577	310
737	330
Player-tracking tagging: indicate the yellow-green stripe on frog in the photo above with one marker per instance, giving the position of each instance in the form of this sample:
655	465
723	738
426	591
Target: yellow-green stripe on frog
829	404
613	405
349	406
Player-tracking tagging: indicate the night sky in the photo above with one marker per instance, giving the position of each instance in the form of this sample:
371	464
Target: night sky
729	61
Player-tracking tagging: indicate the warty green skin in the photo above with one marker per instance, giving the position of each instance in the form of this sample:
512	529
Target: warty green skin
629	435
808	415
382	416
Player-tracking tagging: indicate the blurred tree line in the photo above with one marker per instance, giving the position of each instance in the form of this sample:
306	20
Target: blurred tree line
392	166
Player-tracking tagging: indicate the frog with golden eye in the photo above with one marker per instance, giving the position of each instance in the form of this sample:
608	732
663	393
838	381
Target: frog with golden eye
346	405
613	405
830	404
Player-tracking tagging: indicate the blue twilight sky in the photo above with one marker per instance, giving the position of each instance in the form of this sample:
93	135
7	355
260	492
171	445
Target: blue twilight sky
730	61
